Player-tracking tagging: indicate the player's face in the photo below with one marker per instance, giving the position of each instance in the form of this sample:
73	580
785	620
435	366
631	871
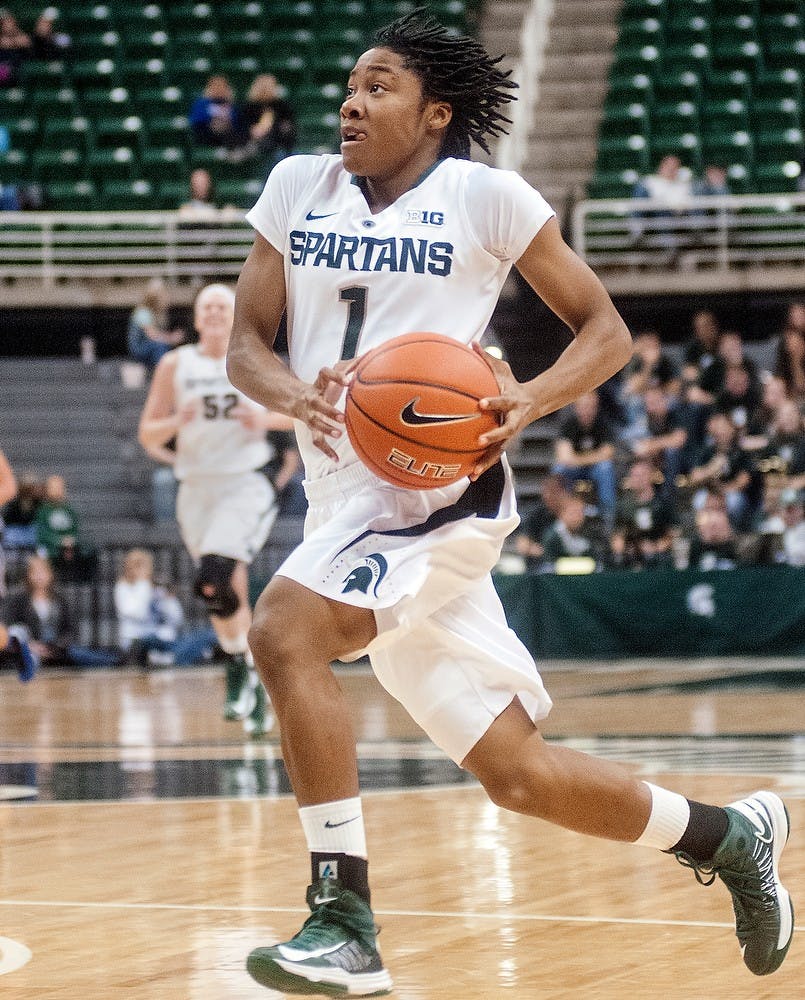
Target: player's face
213	319
386	124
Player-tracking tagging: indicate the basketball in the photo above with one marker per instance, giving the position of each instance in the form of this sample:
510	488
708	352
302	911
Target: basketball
412	410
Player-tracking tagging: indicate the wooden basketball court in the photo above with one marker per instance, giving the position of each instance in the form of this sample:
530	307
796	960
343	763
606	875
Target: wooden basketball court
146	846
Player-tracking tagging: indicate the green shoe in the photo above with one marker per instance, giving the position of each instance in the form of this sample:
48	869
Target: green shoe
746	862
334	954
258	722
240	696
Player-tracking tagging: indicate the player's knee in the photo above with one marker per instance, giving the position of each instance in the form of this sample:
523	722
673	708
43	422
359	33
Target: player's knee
213	585
522	787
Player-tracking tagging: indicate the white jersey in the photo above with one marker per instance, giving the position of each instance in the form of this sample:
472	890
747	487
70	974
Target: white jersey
449	243
213	442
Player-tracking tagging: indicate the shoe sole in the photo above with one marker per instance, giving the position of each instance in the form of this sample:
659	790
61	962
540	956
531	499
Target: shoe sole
781	826
278	975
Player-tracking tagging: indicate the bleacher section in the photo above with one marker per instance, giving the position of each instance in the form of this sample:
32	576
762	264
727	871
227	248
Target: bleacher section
106	128
715	81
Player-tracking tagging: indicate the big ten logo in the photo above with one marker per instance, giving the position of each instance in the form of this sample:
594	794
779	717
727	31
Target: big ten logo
422	217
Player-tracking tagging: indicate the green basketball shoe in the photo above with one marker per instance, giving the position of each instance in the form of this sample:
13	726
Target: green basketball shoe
240	696
746	862
333	955
260	720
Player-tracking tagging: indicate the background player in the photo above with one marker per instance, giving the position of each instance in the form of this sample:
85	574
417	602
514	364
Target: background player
398	233
225	507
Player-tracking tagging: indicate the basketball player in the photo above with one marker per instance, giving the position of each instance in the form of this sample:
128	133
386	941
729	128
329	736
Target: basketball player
225	507
15	650
401	232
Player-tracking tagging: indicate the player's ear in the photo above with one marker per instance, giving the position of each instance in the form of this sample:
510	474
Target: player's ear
440	115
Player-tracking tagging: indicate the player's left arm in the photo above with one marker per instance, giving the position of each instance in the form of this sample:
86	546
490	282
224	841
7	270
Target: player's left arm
8	481
601	343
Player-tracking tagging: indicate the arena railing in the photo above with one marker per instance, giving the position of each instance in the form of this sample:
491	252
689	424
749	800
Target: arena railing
51	247
730	241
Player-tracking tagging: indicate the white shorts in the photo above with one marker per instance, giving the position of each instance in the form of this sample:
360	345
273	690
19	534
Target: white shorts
226	515
420	560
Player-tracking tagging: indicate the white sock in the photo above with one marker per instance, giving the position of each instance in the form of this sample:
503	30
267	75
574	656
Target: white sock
335	826
233	646
670	814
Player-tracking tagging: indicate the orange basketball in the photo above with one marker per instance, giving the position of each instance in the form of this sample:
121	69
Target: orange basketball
412	410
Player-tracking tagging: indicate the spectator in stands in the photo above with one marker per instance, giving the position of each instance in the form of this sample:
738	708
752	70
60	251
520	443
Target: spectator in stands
662	435
571	536
269	121
15	47
702	349
585	451
740	396
150	617
15	653
792	507
148	334
215	118
59	535
783	457
670	186
645	519
650	365
723	466
43	612
712	182
47	42
19	513
790	361
200	206
713	545
528	541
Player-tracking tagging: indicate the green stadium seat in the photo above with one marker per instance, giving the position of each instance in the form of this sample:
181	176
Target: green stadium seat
131	17
744	55
694	57
105	100
216	160
240	17
98	45
240	71
319	132
14	167
199	41
685	85
252	42
729	148
290	17
634	88
729	85
776	113
779	176
613	184
13	101
137	74
71	196
634	35
780	145
111	164
66	131
778	83
788	51
291	68
673	116
93	73
53	101
153	102
688	29
189	15
79	17
23	132
623	153
135	195
725	116
333	66
114	131
239	193
44	73
145	43
168	130
65	164
634	9
686	145
159	162
171	194
625	119
636	61
190	73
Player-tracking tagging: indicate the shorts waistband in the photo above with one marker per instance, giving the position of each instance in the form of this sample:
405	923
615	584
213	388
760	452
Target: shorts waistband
341	483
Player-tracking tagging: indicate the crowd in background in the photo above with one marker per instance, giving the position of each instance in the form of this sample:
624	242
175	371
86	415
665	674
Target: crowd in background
693	458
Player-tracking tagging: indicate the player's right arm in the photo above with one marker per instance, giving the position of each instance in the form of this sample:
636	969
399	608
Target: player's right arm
160	421
254	367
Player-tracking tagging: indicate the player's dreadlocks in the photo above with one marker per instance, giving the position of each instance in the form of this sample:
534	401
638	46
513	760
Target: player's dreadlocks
456	69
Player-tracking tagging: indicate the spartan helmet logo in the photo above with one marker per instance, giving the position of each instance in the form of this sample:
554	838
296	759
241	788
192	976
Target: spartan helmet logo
370	571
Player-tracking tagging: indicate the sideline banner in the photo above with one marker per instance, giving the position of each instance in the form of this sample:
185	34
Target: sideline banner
753	609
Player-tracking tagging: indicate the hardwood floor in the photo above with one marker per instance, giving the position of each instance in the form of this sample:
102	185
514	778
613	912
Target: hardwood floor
150	846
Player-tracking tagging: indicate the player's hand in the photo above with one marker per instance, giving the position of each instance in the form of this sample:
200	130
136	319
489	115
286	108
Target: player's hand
318	409
514	407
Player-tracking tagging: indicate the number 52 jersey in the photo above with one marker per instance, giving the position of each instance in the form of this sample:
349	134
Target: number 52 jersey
435	260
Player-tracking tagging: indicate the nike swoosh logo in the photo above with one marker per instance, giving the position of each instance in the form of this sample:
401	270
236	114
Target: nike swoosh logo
311	216
409	416
331	826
